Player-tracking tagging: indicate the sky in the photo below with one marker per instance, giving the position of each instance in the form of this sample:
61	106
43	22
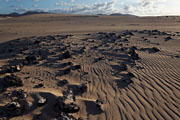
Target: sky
135	7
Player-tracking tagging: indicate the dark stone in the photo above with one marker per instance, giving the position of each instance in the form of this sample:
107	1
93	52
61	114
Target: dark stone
62	82
20	94
82	88
133	54
98	59
123	67
99	103
68	63
155	49
128	81
65	55
68	94
66	104
130	75
12	80
31	59
75	67
25	62
71	108
121	44
13	108
168	38
64	72
135	57
37	41
67	71
42	102
10	50
132	51
2	90
134	47
177	56
145	39
64	116
12	69
125	39
3	71
39	85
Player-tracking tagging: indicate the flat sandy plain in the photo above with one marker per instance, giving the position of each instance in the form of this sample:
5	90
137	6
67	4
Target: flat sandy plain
130	63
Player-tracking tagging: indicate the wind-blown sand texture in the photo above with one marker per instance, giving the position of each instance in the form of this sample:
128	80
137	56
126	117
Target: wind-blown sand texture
132	67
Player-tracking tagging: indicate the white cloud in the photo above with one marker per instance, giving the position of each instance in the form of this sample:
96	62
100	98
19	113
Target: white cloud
135	7
6	0
106	8
154	7
35	5
22	10
62	3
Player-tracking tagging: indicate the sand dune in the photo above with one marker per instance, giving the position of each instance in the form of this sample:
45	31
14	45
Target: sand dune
135	73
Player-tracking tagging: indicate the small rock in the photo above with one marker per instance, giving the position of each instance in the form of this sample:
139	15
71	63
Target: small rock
68	95
39	85
128	81
2	90
37	41
20	94
2	71
64	116
31	59
64	72
66	103
168	38
99	104
28	105
155	49
130	74
75	67
67	71
14	108
135	57
10	50
65	55
99	101
12	80
62	82
42	102
12	69
123	67
71	108
82	87
125	39
66	64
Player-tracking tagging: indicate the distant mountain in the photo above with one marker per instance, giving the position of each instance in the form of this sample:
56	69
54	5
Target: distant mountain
119	14
14	14
33	12
10	15
101	14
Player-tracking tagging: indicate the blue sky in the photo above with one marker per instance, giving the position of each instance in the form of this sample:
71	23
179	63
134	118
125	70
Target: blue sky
136	7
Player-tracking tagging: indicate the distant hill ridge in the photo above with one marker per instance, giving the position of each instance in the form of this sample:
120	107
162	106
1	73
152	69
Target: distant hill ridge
14	14
119	14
